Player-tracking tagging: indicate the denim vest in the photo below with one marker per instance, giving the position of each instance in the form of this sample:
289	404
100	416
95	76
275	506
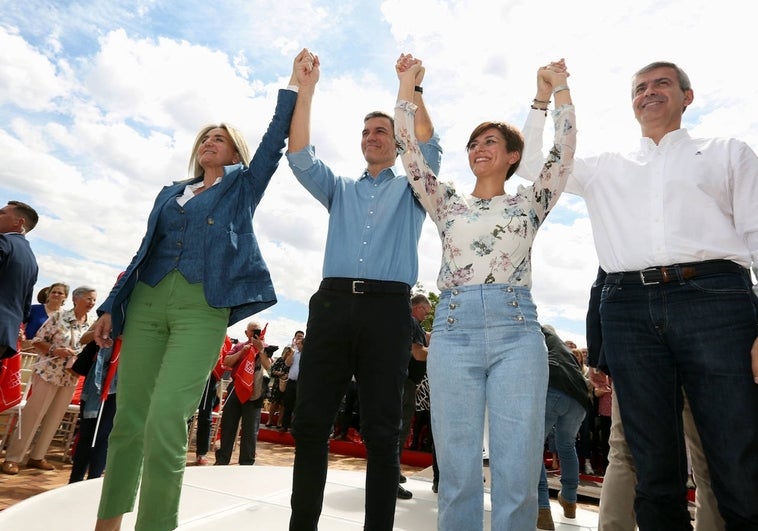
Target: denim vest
179	240
233	273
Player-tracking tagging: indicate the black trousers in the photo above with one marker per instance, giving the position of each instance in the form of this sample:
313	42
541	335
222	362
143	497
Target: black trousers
368	335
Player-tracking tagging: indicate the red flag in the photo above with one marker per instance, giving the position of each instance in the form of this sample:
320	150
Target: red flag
11	392
244	372
10	382
112	366
218	370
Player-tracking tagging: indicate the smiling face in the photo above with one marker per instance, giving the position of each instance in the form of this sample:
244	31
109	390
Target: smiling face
488	155
57	295
659	101
378	143
85	302
216	149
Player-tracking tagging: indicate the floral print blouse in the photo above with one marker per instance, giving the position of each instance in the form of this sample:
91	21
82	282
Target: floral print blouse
62	330
487	241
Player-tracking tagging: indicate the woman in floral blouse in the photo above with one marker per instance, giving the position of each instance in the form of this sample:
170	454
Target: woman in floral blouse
487	349
57	341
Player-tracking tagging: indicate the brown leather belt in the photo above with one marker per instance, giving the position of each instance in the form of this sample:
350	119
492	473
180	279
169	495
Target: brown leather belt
359	286
675	273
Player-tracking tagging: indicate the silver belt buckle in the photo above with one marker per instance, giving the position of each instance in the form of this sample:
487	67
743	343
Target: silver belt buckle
355	286
642	276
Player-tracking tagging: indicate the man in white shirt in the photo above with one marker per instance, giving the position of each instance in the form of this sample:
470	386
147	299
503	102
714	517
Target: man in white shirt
675	225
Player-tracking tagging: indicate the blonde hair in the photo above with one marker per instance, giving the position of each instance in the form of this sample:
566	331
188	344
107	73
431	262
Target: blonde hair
235	135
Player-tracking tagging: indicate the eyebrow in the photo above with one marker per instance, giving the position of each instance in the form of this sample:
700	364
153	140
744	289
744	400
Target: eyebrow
654	81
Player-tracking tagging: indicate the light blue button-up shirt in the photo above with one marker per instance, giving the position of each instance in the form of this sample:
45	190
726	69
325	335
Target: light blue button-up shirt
374	223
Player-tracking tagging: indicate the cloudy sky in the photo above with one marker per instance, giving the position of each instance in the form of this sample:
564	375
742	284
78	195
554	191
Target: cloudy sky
100	101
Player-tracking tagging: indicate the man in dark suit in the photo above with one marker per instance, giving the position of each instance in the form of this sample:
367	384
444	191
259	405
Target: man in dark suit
18	272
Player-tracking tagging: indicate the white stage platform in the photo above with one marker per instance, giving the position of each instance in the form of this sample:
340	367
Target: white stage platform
238	497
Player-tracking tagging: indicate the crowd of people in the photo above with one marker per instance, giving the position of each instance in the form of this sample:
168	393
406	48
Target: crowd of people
671	321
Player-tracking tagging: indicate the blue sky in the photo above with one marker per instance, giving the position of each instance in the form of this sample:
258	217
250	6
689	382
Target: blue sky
100	101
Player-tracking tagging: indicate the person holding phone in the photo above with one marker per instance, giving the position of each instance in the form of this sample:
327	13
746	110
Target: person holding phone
249	412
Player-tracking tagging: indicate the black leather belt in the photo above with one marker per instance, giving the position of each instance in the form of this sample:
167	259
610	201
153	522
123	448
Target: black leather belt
675	273
359	286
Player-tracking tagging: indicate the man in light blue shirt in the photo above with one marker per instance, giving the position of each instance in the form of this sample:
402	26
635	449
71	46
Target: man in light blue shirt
359	321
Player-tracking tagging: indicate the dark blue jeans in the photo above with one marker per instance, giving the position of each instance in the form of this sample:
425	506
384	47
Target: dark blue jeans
694	335
88	459
205	416
367	335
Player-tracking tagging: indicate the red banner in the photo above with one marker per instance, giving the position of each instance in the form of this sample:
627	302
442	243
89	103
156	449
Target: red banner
244	372
10	382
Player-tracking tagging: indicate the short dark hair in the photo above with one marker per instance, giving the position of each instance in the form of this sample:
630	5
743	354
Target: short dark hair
419	298
28	213
379	114
514	140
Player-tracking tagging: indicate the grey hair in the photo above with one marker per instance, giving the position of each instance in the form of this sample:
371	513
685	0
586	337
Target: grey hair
681	75
81	290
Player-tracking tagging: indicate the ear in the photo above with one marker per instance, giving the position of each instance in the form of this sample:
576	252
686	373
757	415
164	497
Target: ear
513	157
689	97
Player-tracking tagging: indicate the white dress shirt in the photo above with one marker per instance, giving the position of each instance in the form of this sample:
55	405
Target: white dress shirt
683	200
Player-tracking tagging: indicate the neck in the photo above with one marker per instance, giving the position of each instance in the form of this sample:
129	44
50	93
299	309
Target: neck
488	188
80	315
375	169
211	174
50	307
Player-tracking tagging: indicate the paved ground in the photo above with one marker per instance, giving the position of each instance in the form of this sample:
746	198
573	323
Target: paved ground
31	481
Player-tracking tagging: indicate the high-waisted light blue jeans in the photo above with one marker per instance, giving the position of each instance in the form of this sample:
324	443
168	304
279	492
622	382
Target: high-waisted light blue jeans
487	349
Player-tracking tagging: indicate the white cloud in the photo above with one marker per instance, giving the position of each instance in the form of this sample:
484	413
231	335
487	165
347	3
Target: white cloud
99	107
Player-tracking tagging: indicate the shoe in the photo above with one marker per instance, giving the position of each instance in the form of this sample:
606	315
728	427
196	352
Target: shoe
403	494
545	520
569	508
588	468
202	460
42	464
402	479
9	467
435	486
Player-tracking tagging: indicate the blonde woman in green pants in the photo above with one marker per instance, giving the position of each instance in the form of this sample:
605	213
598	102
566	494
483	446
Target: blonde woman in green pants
197	271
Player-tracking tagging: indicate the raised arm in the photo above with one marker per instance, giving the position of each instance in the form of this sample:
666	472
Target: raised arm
421	175
549	76
558	165
305	74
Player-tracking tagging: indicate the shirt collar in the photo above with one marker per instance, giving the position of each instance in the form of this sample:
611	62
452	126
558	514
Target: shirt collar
384	175
670	138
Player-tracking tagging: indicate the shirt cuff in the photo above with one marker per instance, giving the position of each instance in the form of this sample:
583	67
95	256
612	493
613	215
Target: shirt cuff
303	159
